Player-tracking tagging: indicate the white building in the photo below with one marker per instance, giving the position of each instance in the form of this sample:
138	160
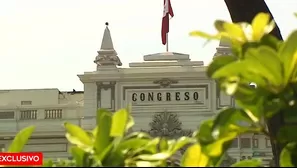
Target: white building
170	95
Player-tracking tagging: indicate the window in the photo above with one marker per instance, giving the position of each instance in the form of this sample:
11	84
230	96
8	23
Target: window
268	143
26	102
234	143
245	142
255	143
29	115
7	115
53	114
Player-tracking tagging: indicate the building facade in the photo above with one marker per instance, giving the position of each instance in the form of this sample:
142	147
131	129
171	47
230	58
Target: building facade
170	95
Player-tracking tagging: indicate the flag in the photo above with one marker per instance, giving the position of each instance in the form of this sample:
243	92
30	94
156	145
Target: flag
165	21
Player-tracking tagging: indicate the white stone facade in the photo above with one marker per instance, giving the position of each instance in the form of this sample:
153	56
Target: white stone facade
167	91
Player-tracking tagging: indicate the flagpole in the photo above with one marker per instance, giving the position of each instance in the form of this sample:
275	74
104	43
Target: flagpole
167	49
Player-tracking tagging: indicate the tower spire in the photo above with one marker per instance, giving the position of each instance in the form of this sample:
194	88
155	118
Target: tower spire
224	48
107	56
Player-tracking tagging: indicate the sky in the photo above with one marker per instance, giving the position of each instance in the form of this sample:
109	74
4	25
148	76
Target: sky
46	43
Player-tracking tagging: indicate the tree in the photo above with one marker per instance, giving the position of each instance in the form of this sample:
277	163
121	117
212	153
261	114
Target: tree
245	11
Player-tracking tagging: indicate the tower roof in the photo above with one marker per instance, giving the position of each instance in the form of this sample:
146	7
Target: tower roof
106	43
107	56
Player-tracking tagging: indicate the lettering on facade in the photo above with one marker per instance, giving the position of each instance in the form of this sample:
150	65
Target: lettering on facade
165	96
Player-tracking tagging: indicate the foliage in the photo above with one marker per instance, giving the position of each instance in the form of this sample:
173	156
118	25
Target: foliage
257	57
271	65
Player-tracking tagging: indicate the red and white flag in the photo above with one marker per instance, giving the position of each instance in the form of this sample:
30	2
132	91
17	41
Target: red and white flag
165	21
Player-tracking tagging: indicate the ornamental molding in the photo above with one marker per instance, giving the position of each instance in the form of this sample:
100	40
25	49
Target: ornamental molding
165	82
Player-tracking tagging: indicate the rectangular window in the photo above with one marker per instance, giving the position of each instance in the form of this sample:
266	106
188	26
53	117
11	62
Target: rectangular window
235	143
245	142
255	143
268	143
28	115
26	102
53	114
7	115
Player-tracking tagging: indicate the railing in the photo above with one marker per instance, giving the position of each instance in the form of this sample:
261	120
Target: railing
47	119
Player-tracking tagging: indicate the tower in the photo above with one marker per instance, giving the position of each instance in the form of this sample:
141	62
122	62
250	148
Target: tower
224	48
107	57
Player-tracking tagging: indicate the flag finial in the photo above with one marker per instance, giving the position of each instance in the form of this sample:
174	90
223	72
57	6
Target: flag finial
106	23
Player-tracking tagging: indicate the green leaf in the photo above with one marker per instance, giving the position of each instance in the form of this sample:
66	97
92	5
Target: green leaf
230	116
204	135
230	70
104	123
130	123
77	135
146	164
163	145
151	146
182	142
288	155
259	24
217	148
157	156
286	134
194	157
138	135
119	123
21	139
288	54
219	62
267	61
235	31
48	163
204	35
270	41
78	155
248	163
134	143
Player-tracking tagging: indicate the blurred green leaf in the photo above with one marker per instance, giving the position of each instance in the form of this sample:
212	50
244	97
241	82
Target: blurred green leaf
182	142
21	139
48	163
133	143
288	53
267	63
288	155
248	163
204	136
104	126
157	156
137	135
286	134
259	25
270	41
217	148
130	123
78	136
230	116
219	62
163	145
234	31
230	70
194	157
204	35
79	156
145	164
119	123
